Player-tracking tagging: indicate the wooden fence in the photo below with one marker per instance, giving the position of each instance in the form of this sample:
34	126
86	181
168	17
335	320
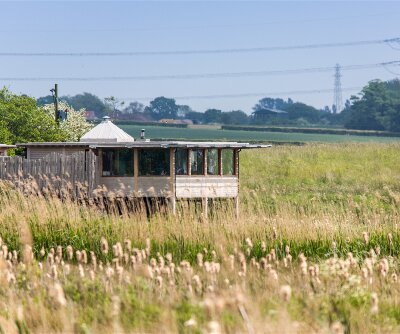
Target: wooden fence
58	174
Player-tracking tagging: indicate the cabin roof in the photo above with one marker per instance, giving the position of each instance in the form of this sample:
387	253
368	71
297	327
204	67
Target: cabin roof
106	132
146	144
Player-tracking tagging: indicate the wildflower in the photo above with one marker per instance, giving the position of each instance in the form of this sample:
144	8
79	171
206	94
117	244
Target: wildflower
128	245
249	243
78	256
390	239
70	253
366	237
337	328
58	294
213	327
59	252
42	252
190	323
81	271
104	246
287	249
263	246
285	292
374	303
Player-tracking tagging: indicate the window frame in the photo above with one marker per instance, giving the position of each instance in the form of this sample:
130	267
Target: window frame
139	150
117	149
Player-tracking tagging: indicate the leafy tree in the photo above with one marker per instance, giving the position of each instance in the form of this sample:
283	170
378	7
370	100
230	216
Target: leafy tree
134	107
212	116
196	117
162	107
377	107
236	117
22	121
86	101
113	106
75	125
183	110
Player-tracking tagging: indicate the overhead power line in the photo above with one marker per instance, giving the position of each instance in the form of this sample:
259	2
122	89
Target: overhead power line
240	95
390	42
206	75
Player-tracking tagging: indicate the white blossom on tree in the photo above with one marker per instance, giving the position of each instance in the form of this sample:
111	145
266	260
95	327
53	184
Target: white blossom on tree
75	126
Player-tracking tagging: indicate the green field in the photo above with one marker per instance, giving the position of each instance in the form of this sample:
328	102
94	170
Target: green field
207	133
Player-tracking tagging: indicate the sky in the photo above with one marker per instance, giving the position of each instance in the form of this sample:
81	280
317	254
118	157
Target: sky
165	26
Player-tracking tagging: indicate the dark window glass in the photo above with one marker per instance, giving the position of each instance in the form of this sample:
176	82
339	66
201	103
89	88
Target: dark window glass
117	162
212	162
227	162
154	162
197	162
181	161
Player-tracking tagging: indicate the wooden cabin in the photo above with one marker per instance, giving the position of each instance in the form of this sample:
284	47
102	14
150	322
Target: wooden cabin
4	149
144	168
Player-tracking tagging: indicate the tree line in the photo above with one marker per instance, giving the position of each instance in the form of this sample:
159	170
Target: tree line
376	107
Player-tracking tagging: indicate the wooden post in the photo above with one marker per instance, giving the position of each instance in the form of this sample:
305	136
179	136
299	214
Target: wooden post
172	179
205	161
189	162
205	207
237	207
136	170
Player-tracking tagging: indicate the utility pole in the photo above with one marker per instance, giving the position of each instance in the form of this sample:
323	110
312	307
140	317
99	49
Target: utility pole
337	92
54	92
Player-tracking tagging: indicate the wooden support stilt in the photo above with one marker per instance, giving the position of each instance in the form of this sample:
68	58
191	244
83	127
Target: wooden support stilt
205	207
173	205
237	207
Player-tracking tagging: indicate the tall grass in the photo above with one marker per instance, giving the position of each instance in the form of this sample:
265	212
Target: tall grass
318	200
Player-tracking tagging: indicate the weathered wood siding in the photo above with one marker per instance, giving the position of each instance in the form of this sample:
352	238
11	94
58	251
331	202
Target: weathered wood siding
41	152
63	174
206	186
157	186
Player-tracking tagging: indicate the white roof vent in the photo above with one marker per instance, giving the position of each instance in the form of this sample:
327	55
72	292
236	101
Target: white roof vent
106	132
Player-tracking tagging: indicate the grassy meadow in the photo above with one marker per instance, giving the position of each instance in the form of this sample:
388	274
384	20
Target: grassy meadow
316	250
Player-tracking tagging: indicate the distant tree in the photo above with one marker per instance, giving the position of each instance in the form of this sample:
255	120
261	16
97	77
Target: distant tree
41	101
236	117
183	110
86	101
75	124
212	116
113	106
162	107
134	107
376	108
196	117
22	121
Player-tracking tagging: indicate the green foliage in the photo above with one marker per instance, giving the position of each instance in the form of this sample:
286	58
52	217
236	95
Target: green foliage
378	107
162	107
22	121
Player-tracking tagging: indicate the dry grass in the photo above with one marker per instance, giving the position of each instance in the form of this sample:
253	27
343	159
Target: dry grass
316	250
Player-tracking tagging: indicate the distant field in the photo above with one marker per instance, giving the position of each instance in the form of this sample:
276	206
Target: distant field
208	133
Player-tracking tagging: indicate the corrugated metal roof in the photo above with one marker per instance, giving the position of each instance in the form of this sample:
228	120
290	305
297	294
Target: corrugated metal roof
106	132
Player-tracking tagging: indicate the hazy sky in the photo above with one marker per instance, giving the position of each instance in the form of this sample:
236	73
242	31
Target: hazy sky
34	26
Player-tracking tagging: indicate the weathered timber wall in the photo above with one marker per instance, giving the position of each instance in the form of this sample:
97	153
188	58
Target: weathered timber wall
206	186
56	173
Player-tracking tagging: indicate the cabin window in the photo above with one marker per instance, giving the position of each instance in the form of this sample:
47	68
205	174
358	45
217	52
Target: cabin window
197	162
117	162
212	162
181	161
154	162
228	164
